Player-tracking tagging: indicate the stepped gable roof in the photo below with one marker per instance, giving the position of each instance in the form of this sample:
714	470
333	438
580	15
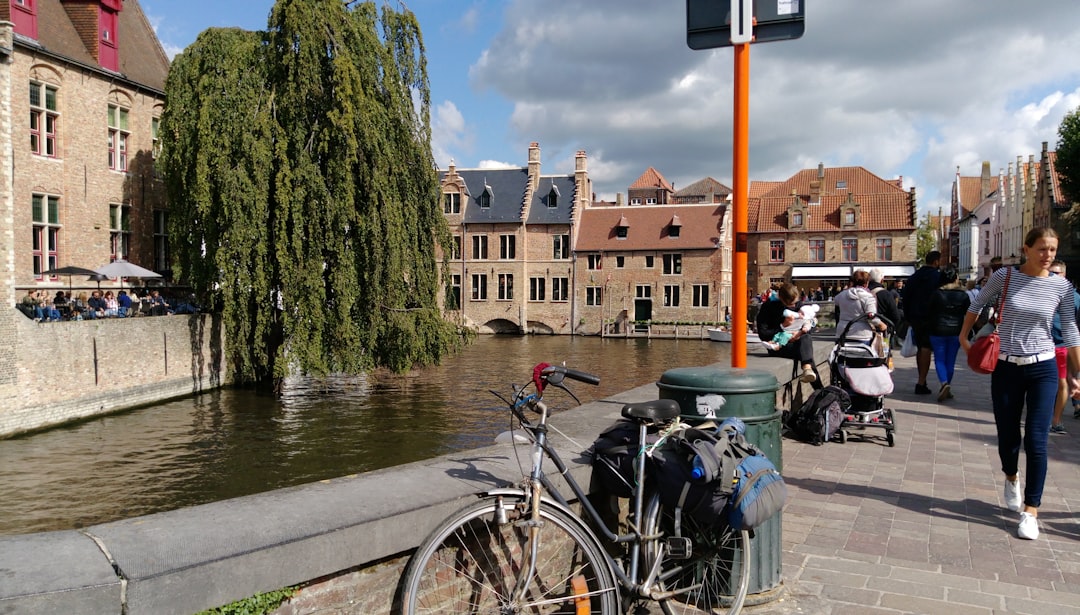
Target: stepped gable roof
970	190
1060	199
884	204
648	227
507	187
651	178
540	211
142	59
704	187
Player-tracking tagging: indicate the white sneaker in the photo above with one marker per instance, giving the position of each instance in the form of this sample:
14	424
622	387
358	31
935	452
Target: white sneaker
1029	526
1013	500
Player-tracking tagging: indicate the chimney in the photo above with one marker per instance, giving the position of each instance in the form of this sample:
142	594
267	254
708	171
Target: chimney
815	185
582	188
534	166
618	199
984	185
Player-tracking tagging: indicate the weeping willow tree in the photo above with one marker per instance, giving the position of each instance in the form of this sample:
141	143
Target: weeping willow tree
303	193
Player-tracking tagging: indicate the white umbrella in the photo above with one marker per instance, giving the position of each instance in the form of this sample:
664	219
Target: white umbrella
123	269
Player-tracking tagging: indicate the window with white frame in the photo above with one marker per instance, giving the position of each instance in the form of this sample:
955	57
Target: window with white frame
46	228
479	287
161	240
561	247
479	247
507	247
816	251
643	291
155	137
673	264
650	200
453	294
118	138
452	203
506	286
44	119
536	289
796	219
849	250
671	295
594	262
849	217
119	231
776	250
560	289
635	201
884	248
701	295
593	295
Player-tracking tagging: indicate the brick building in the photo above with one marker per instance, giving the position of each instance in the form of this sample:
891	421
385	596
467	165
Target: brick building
655	260
820	224
512	260
87	91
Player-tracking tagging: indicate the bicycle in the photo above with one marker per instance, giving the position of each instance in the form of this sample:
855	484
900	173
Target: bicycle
524	550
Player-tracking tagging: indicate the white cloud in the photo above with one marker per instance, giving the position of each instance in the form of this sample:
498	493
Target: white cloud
448	133
913	88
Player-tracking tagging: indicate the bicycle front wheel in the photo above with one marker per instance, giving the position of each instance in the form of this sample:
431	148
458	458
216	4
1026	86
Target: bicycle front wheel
714	577
477	561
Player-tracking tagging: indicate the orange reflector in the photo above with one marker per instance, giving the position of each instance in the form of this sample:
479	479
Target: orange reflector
582	604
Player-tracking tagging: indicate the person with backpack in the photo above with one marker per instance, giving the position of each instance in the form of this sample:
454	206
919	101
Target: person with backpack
916	294
853	303
947	308
1060	354
886	303
1026	372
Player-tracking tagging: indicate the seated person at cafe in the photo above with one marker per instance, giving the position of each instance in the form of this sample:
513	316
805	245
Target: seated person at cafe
96	302
80	308
158	305
62	305
123	302
112	306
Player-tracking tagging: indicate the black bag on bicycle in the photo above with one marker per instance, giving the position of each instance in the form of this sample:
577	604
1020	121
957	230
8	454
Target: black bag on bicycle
613	455
717	478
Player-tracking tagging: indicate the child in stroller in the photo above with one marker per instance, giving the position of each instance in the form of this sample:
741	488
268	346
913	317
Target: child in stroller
863	370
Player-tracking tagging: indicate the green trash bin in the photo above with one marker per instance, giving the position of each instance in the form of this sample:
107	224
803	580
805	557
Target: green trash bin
721	392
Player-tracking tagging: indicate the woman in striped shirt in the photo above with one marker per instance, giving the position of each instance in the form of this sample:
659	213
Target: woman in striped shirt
1026	367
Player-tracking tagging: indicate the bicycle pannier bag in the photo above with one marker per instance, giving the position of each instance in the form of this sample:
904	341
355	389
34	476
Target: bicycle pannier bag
613	455
758	494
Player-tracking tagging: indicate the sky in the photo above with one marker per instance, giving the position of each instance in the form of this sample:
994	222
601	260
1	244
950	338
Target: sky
911	89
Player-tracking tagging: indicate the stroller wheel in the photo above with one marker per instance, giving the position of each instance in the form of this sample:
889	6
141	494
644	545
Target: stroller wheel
842	435
890	438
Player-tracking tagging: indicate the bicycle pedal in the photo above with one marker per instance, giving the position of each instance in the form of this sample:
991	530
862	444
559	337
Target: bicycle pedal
678	547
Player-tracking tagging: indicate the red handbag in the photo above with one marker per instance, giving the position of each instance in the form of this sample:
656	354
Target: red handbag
982	356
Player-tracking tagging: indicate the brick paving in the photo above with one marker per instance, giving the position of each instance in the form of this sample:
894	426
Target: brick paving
921	528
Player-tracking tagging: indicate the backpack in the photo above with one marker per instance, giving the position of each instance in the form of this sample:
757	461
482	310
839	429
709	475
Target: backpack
734	482
819	418
613	455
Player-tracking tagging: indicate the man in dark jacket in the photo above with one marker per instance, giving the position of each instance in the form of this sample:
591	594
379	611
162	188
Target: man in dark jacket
886	305
916	295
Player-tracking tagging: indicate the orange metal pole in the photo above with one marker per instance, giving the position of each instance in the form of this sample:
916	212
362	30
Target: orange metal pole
741	187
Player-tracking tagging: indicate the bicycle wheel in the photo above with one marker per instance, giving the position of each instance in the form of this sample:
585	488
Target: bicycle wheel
716	575
473	561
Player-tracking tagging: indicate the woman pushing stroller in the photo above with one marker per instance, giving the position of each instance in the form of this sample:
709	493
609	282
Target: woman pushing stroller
1026	367
856	301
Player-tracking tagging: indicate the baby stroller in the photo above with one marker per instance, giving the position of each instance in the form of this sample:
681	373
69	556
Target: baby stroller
863	372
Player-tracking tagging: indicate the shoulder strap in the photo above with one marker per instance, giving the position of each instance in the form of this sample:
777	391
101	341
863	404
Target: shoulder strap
1001	299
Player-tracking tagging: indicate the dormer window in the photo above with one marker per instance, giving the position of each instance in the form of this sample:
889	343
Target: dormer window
24	16
553	197
849	213
849	217
796	218
622	228
108	43
675	227
486	197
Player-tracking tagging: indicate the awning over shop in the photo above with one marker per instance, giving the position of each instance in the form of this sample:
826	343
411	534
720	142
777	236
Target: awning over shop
896	271
821	272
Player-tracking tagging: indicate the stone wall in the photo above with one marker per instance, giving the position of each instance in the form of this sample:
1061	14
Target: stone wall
67	371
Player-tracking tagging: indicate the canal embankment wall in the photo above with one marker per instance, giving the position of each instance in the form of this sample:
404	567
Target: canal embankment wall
60	372
345	541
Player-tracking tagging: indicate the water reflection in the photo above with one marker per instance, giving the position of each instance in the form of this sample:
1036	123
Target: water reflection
230	443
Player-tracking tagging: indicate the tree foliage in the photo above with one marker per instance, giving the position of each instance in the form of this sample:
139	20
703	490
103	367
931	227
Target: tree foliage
304	197
1068	155
926	238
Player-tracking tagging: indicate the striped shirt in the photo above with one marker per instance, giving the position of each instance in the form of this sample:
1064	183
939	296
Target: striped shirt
1030	305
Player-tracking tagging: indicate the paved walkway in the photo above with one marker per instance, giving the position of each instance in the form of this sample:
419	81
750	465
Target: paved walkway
920	528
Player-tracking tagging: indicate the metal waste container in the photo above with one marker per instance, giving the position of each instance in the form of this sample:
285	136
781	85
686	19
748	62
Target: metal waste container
720	392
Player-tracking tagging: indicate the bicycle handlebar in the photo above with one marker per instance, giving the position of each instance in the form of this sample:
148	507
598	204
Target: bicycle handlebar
573	374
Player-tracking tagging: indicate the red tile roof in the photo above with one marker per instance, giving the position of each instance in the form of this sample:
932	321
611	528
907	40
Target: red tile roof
702	188
648	227
884	205
651	178
971	192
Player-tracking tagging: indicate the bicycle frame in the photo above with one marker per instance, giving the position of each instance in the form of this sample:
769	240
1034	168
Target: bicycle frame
537	479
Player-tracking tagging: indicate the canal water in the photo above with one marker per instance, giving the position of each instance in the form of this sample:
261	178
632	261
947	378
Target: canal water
230	443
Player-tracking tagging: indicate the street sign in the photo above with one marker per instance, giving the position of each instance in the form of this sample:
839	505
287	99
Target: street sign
708	22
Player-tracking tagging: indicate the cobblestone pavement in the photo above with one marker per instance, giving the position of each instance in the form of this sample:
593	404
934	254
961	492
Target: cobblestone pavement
920	527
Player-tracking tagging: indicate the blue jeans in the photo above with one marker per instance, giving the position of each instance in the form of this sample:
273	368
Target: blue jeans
945	348
1010	386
